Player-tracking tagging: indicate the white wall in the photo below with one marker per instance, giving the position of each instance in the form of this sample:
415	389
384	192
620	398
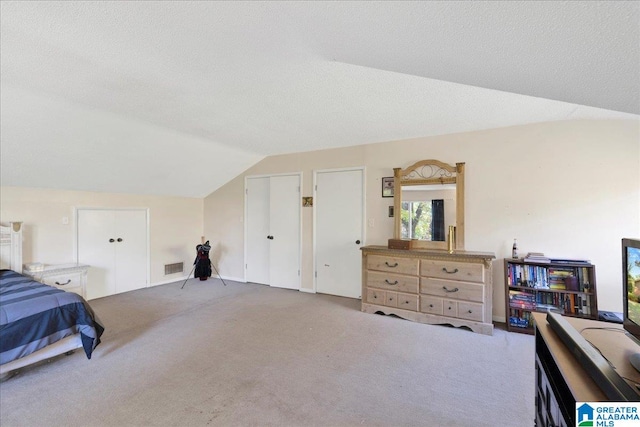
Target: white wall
175	224
568	189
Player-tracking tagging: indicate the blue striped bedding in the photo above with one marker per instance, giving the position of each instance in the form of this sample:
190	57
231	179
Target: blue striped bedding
34	315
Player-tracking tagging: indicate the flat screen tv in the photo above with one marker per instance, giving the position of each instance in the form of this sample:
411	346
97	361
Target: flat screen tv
631	295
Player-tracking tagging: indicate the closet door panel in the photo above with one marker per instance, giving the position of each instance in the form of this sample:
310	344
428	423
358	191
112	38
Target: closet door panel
284	214
96	248
131	250
114	244
257	218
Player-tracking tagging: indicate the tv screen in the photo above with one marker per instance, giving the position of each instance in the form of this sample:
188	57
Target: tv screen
631	283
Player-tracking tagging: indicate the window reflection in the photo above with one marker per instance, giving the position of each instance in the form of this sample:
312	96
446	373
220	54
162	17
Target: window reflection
423	220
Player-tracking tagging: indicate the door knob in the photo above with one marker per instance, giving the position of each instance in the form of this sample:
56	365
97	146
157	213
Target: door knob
357	242
111	240
119	239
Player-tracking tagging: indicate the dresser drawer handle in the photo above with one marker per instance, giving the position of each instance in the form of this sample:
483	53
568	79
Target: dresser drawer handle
390	298
449	272
390	283
470	311
65	283
389	265
406	302
430	305
450	290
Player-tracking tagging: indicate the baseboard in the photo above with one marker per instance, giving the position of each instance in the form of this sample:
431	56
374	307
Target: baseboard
166	282
233	279
499	319
183	278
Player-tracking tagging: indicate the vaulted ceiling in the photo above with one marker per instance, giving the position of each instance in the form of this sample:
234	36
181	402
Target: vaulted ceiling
177	98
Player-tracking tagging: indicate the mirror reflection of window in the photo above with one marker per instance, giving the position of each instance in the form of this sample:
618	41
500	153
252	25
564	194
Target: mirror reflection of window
427	212
423	220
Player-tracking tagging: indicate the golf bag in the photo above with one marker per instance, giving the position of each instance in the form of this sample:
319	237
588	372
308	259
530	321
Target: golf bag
202	262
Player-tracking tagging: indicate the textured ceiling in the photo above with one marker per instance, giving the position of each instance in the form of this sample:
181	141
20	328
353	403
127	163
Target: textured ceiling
178	98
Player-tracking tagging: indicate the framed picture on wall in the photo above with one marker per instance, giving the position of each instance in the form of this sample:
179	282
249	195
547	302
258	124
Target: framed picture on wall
387	186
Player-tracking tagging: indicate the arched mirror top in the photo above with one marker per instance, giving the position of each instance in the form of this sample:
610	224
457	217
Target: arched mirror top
424	218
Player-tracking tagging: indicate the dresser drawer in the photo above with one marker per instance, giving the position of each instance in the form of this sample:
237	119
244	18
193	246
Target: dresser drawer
470	311
375	296
408	301
450	289
72	281
391	299
452	270
393	264
431	305
393	282
450	308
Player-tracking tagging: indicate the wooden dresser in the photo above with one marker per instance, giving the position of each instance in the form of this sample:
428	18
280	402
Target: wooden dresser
429	286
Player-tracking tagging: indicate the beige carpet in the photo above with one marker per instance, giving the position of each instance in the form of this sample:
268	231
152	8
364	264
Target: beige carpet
248	354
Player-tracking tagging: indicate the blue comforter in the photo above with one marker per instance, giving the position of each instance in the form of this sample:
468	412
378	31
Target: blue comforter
34	315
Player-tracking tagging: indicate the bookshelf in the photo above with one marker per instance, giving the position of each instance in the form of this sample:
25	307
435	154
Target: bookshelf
568	287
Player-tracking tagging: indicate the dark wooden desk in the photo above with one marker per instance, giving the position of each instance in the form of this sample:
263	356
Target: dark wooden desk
560	379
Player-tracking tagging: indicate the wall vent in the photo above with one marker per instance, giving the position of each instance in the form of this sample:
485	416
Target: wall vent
178	267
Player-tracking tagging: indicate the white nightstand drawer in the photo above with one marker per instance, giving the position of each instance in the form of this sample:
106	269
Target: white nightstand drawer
71	282
68	277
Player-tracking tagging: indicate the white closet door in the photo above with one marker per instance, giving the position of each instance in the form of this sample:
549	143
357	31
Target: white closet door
257	226
114	266
339	232
131	250
284	215
96	248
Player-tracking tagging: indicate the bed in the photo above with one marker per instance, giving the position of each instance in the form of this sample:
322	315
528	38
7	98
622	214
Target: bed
37	321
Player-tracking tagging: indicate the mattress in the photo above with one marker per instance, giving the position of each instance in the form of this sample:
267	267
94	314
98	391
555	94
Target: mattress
34	315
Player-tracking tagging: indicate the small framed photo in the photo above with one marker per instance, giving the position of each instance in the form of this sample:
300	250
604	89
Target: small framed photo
390	211
307	202
387	186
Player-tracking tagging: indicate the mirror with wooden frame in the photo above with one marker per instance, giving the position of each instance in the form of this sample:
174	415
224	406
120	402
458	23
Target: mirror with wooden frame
428	198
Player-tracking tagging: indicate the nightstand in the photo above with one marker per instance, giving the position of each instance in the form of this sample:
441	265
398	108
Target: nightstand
68	277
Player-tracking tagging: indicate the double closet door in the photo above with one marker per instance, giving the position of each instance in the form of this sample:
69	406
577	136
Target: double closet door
272	230
114	244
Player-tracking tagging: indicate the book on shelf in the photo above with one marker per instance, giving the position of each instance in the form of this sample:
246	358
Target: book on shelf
537	257
558	276
572	304
522	300
537	283
519	319
570	261
531	276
